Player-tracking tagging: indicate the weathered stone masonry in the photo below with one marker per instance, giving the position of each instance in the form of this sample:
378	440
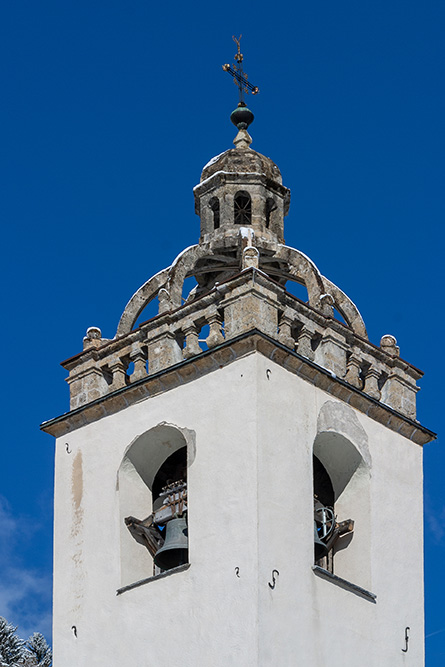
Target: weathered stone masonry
241	272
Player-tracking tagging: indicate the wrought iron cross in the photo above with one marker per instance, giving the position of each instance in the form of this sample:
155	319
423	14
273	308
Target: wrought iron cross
240	77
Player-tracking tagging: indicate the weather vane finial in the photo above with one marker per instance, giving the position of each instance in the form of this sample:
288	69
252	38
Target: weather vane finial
240	77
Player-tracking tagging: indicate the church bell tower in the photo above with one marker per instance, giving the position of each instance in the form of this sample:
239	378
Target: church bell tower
239	478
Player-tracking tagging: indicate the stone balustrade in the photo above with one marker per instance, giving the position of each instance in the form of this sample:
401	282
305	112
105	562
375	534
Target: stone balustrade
247	301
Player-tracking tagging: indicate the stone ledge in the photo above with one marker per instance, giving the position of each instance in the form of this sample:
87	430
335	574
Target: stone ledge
224	354
155	577
344	583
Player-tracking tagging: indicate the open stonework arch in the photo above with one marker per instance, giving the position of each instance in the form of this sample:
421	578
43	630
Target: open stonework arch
323	295
302	270
139	300
346	308
181	268
171	279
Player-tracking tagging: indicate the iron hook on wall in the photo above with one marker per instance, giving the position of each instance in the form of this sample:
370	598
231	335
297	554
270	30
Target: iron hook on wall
237	572
275	574
67	447
405	650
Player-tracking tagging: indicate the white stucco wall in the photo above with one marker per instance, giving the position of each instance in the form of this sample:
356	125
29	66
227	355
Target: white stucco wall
250	507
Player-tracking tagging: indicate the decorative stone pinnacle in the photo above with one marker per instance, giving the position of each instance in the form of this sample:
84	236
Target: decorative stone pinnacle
242	139
251	258
93	333
389	345
93	338
327	304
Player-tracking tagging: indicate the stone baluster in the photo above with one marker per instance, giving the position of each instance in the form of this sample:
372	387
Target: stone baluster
215	336
304	346
285	330
138	357
118	371
372	383
353	367
192	347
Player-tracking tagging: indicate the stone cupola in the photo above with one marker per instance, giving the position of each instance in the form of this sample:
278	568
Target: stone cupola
241	187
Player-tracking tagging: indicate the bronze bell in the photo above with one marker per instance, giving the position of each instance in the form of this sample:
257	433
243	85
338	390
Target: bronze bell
174	551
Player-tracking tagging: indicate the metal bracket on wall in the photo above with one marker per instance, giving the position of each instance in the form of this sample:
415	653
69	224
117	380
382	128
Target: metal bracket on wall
275	574
405	650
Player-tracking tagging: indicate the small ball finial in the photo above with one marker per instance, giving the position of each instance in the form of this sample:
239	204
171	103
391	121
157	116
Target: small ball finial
242	117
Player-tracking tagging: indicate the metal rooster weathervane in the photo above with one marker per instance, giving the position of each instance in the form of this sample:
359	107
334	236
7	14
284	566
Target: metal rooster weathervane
240	77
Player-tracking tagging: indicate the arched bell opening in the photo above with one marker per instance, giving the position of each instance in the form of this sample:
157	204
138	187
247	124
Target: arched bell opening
324	515
170	511
242	204
323	488
152	488
342	522
173	469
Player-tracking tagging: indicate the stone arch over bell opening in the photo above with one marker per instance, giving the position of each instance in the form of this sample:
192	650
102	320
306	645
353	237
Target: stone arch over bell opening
342	481
242	205
149	464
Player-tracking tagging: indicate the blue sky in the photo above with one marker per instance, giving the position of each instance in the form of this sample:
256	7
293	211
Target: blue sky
109	111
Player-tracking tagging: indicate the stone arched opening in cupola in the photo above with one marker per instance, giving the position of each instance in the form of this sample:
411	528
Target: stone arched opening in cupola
242	208
215	208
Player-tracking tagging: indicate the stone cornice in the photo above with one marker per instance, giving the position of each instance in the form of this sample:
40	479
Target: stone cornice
222	355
